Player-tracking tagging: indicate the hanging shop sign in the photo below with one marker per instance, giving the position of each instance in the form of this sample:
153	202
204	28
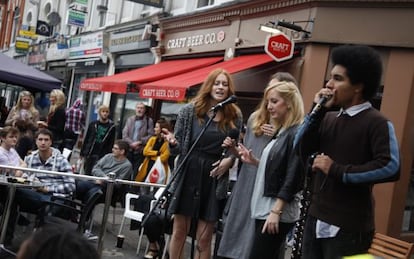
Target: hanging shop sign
279	47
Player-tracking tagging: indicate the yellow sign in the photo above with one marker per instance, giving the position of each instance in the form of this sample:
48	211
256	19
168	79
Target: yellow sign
22	45
28	32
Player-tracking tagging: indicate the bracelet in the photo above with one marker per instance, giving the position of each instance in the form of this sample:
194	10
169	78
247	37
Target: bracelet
278	212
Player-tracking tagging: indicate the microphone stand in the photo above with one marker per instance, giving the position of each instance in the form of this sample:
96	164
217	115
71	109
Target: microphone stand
177	174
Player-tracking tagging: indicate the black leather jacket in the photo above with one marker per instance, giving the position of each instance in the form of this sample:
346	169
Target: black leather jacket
284	170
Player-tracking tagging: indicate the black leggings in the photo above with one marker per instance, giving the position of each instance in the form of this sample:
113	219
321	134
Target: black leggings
268	245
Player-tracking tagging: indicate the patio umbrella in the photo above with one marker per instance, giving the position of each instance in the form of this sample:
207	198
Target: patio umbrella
17	73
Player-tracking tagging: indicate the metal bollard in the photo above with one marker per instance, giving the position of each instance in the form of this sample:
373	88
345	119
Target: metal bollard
108	197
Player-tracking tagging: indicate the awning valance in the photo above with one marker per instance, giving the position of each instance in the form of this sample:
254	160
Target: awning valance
118	83
174	88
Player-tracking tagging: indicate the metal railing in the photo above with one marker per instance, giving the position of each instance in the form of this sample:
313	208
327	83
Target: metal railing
110	182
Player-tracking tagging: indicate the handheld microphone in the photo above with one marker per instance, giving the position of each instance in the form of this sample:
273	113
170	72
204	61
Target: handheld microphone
231	99
320	104
233	134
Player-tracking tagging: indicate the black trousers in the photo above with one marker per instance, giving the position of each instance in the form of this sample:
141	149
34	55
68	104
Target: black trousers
343	244
269	245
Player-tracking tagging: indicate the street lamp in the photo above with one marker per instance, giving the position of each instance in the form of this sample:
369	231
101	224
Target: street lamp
269	29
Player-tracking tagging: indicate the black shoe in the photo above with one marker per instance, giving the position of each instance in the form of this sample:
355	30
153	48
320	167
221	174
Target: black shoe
23	221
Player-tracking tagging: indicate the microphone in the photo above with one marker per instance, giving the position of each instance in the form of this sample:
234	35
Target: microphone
233	134
231	99
320	104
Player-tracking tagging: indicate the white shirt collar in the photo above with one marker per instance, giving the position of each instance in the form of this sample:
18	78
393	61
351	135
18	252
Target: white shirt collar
354	110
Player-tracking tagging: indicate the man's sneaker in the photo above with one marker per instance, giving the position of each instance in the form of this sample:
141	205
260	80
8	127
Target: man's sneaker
89	235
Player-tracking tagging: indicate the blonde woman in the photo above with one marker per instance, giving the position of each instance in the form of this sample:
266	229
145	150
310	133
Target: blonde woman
24	116
276	193
260	128
56	118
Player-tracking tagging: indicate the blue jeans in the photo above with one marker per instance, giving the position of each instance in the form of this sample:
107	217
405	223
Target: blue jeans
343	244
29	201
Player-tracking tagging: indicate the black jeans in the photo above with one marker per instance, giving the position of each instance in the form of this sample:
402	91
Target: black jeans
268	245
343	244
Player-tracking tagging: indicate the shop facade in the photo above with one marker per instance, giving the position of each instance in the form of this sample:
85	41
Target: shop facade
87	58
129	49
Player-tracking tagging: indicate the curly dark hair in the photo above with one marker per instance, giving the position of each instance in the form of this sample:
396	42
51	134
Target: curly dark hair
363	65
57	243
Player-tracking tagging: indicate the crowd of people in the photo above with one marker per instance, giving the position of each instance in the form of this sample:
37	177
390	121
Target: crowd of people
342	148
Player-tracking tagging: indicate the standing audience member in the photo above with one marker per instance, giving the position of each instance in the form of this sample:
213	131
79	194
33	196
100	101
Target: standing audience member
356	148
56	243
74	125
275	202
137	130
99	139
156	147
196	196
261	126
44	158
24	116
56	118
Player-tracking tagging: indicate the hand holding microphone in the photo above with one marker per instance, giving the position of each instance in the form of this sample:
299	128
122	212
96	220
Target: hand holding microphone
223	164
321	99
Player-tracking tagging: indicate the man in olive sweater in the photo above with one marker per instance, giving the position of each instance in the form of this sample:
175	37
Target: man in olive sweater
353	149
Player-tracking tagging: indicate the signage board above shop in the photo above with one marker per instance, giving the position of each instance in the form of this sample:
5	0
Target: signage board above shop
86	46
194	40
130	40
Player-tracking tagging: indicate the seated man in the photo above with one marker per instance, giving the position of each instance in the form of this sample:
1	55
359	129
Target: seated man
115	162
44	158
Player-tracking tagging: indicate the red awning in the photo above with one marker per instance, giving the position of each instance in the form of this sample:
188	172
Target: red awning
174	88
118	83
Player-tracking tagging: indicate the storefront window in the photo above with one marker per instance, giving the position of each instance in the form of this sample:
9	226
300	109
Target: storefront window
202	3
15	24
118	110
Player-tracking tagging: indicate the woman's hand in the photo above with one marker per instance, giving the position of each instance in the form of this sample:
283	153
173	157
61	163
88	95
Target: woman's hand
41	124
268	129
247	156
220	169
271	226
169	137
230	145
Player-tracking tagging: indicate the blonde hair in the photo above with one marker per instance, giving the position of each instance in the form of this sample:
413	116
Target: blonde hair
103	107
289	92
22	94
202	101
60	100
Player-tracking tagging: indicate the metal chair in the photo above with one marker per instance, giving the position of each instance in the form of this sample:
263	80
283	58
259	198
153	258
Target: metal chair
81	211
